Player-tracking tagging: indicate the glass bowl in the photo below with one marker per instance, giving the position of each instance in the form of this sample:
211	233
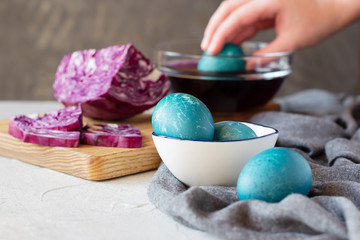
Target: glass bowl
224	92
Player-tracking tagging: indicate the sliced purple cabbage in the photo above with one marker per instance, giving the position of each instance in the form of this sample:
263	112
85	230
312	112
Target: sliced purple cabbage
112	135
47	137
57	128
111	83
65	119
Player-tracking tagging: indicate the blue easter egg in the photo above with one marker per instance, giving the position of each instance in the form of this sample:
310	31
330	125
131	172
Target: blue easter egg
210	63
183	116
232	130
274	174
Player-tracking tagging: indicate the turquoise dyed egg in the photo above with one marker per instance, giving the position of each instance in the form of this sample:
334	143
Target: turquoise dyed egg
232	130
274	174
227	60
183	116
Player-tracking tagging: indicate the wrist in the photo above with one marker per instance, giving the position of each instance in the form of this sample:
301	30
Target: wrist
357	2
348	10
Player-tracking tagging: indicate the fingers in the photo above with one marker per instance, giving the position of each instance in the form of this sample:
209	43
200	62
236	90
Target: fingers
242	35
238	20
223	11
250	31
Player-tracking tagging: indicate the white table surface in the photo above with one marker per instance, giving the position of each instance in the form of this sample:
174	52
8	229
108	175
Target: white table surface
39	203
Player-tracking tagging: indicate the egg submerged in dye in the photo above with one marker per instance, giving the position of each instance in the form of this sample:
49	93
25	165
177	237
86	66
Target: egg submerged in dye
274	174
181	115
227	60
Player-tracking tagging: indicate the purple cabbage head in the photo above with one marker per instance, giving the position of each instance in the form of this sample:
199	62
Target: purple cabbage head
111	83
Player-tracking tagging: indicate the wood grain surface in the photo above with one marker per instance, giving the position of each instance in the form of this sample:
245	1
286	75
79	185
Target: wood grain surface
88	162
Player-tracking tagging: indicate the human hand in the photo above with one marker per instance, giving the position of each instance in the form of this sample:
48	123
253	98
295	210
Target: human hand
297	23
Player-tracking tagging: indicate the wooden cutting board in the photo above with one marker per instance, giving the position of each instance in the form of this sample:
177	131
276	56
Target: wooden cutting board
99	163
85	161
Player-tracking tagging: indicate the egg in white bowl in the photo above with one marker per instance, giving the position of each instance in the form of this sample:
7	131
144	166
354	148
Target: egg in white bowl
205	163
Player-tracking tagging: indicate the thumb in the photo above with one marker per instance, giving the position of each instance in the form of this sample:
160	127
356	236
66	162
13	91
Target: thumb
279	44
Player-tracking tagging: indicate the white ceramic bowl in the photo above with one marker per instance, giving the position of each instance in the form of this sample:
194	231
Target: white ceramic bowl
204	163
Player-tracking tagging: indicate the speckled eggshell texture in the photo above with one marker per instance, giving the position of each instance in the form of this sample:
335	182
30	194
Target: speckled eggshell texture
230	62
183	116
274	174
232	130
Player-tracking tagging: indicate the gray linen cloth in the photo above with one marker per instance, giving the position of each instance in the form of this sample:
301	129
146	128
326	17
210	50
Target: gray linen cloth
328	138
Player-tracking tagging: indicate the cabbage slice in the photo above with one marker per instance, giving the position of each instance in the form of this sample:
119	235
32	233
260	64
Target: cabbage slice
64	128
58	128
112	135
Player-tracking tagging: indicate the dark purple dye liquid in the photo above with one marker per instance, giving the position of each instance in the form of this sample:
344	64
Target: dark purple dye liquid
234	95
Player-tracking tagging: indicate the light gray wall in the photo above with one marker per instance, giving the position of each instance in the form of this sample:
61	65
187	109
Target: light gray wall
332	64
36	34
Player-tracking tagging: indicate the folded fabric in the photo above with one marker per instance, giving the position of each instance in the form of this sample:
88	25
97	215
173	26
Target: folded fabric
329	140
313	101
308	133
